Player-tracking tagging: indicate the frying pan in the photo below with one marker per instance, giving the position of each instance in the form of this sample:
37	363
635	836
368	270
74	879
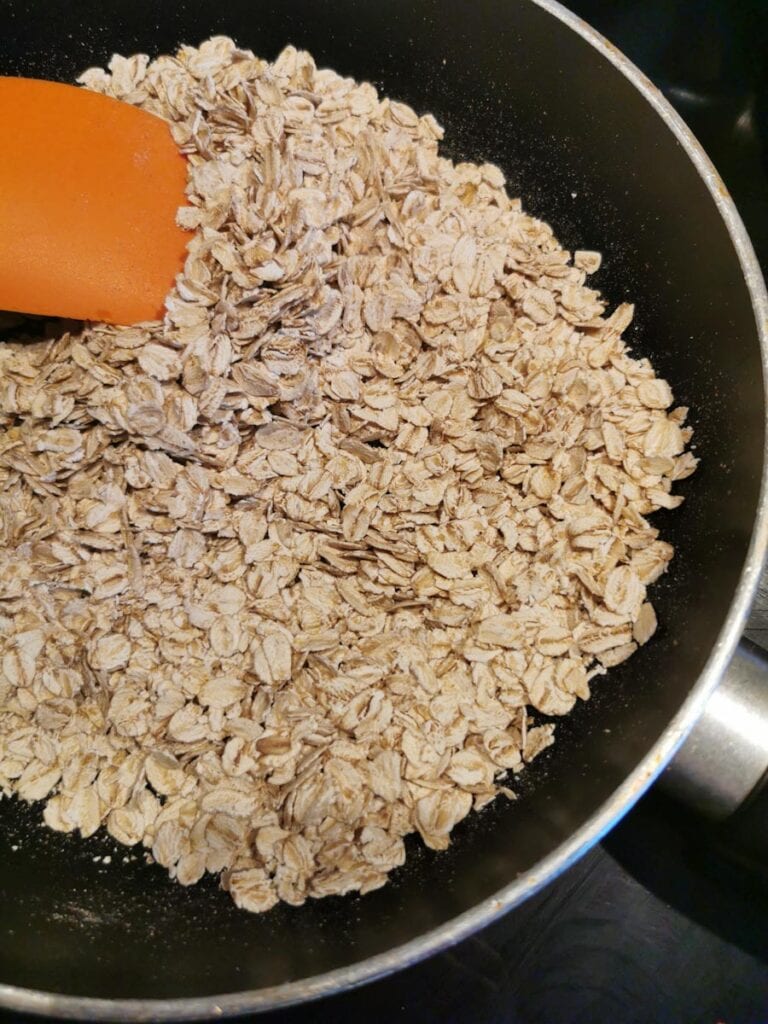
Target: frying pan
593	148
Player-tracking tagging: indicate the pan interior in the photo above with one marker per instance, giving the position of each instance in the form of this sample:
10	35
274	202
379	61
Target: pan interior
587	153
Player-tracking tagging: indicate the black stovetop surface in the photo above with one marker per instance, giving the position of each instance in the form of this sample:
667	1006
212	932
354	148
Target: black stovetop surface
654	925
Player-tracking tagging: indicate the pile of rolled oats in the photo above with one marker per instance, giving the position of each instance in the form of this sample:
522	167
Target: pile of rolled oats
287	577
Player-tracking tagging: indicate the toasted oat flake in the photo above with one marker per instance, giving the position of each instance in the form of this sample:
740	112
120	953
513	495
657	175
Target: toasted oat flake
297	571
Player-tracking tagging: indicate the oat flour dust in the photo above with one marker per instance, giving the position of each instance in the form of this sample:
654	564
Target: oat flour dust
311	564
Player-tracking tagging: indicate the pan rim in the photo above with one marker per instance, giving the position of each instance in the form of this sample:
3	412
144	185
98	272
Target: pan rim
88	1008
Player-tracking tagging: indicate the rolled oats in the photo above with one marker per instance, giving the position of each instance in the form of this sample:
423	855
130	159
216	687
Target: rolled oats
292	574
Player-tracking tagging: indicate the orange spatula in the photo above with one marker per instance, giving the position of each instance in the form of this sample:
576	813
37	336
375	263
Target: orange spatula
89	189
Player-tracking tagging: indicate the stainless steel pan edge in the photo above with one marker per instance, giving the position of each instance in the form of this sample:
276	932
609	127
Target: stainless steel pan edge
626	795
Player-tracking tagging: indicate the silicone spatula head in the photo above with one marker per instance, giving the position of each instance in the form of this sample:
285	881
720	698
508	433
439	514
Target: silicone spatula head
89	189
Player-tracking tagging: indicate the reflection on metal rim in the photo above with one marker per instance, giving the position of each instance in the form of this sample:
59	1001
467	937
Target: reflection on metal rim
622	800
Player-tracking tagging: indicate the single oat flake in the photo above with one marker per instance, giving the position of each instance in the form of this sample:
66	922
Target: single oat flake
298	571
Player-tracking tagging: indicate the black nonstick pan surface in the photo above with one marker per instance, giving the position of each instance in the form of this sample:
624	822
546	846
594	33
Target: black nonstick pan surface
586	151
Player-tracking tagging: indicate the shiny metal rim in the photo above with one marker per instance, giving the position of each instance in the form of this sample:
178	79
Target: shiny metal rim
261	1000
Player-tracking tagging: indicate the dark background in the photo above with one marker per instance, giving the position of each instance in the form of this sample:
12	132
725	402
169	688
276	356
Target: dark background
657	925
